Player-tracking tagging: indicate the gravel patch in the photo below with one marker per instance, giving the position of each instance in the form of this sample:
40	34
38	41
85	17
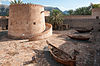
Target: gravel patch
18	52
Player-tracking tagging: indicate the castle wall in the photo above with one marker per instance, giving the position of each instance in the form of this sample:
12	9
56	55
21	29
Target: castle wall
87	23
78	17
47	33
37	18
26	20
96	12
83	20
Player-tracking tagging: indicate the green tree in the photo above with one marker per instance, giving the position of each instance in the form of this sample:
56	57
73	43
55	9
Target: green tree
71	12
82	11
56	19
95	5
16	2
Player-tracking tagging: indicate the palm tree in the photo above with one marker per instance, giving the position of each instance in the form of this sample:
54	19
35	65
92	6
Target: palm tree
82	11
16	2
70	12
56	19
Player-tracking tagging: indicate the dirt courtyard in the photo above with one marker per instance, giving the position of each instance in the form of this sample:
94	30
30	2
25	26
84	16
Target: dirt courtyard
17	52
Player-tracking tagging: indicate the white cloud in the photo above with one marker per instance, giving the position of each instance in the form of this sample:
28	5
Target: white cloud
6	0
10	0
62	8
0	3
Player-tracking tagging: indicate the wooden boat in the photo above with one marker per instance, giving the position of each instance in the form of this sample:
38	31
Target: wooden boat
84	30
79	37
61	56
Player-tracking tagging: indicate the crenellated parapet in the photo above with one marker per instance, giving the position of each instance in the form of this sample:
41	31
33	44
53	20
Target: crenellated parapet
33	5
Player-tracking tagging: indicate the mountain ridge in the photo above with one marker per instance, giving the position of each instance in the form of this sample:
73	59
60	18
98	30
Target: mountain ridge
4	9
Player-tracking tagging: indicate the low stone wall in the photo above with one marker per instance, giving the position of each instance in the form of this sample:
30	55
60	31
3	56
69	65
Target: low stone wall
87	23
79	17
47	33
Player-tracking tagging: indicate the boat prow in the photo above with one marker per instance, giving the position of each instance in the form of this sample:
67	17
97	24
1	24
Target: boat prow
61	56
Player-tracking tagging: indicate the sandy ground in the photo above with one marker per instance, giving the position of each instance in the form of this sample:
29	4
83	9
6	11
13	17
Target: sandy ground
19	52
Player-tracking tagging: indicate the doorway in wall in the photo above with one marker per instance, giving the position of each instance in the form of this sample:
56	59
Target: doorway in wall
6	27
97	17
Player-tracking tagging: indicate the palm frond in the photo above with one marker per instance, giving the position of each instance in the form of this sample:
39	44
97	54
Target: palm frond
15	2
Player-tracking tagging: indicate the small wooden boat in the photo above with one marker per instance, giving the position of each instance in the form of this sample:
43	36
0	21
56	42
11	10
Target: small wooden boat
79	37
61	56
84	30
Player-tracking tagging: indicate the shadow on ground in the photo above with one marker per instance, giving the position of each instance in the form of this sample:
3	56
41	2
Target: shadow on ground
44	58
86	52
4	36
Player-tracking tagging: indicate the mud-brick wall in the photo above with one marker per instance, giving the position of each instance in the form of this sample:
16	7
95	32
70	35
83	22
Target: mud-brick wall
96	13
3	24
88	23
79	17
26	20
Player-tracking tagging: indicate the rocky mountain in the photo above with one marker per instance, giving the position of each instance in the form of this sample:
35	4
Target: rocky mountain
51	8
65	12
4	9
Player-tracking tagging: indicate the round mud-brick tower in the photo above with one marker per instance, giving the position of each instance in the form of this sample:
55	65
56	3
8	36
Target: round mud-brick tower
26	20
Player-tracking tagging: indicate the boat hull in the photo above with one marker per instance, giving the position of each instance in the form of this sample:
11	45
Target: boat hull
84	30
60	56
79	37
65	62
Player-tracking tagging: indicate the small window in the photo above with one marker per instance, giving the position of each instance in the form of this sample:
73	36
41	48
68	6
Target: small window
10	23
34	23
27	22
97	17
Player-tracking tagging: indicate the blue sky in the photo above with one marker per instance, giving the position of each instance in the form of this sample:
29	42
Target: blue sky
62	4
